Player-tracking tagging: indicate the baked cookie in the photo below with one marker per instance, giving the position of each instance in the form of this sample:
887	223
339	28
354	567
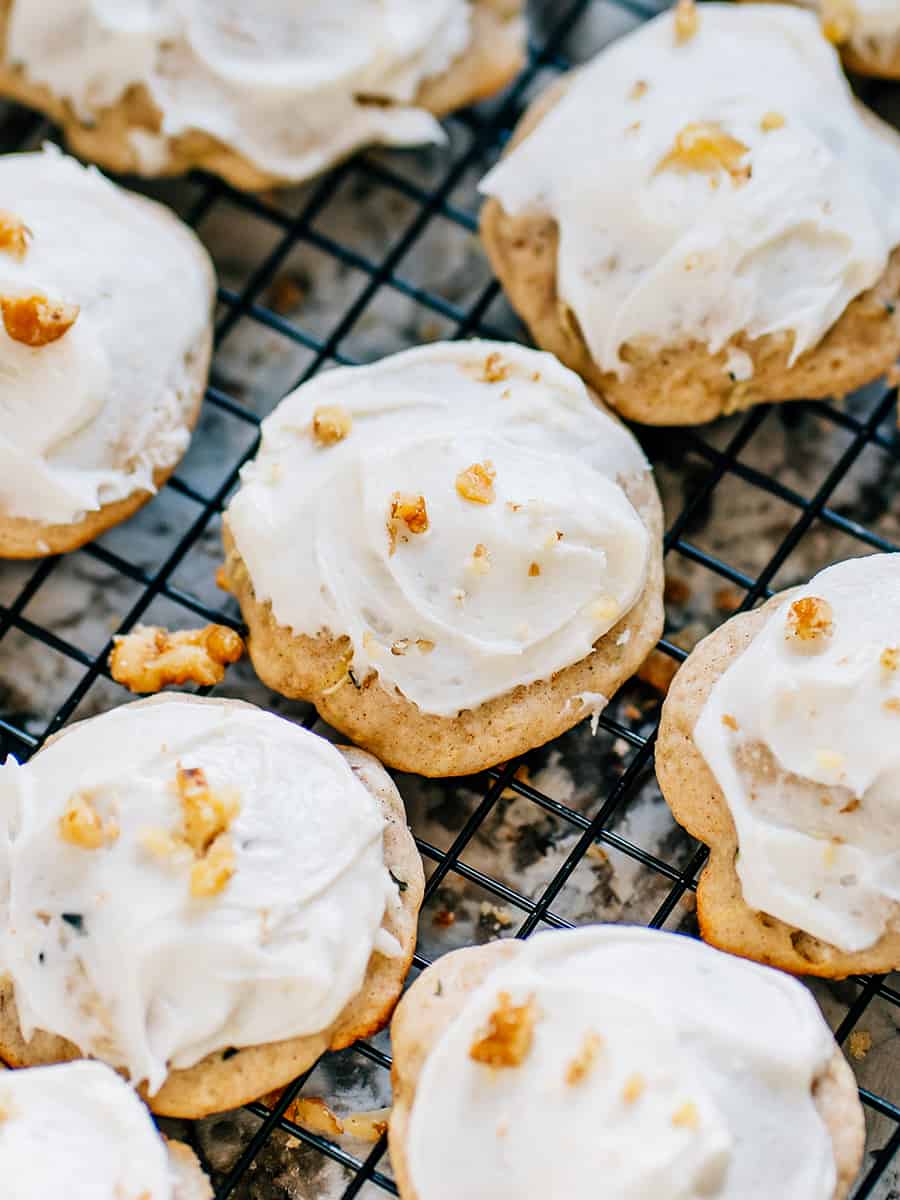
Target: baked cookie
866	33
262	94
726	235
779	749
106	302
646	1060
203	895
78	1130
454	553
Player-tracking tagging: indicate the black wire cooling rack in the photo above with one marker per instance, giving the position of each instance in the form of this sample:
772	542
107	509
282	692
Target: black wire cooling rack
709	461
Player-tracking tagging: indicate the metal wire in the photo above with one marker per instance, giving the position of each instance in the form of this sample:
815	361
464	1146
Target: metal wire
485	133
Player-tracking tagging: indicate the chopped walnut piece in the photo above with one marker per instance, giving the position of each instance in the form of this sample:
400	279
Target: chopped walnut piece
35	320
149	658
476	483
640	88
400	647
705	146
860	1043
408	514
729	721
81	824
850	806
838	18
687	1116
424	645
809	622
829	760
892	705
480	561
687	20
771	120
633	1089
509	1035
890	659
580	1066
15	236
330	424
495	369
210	874
534	570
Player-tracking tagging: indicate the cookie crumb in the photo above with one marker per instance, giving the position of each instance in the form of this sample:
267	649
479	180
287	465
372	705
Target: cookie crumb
150	658
687	21
509	1035
15	236
35	320
83	826
634	1088
476	483
809	622
407	513
580	1066
444	918
687	1116
771	120
331	423
860	1043
495	369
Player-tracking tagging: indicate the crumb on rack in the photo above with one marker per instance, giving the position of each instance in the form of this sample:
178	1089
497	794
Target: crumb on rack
687	20
211	873
205	813
509	1034
638	89
408	514
580	1066
534	570
150	658
15	236
495	368
809	622
860	1042
82	825
331	423
730	722
476	483
35	320
706	147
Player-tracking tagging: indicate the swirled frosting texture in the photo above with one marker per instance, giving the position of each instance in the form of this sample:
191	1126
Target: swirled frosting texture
661	253
78	1130
699	1086
86	419
293	85
109	947
802	738
490	595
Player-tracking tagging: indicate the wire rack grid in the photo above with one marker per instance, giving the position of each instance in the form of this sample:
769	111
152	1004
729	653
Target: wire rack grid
708	463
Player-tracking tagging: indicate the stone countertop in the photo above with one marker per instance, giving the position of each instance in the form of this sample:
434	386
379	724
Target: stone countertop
522	842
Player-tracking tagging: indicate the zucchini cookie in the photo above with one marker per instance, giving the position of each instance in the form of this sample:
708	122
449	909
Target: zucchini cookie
647	1061
726	235
454	553
779	749
106	306
263	94
203	895
104	1144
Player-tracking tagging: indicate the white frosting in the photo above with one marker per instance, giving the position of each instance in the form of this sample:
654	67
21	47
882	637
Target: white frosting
657	256
86	419
310	521
79	1130
276	80
717	1055
153	977
830	718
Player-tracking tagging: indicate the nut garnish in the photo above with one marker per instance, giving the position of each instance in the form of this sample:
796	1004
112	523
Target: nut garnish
480	561
687	20
580	1066
36	320
15	236
495	369
687	1116
729	721
210	874
509	1035
205	814
408	514
771	120
634	1088
534	570
890	659
809	621
81	824
424	645
330	424
640	88
892	705
838	19
149	658
705	146
476	483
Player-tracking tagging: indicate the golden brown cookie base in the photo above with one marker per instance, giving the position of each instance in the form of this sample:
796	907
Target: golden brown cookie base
494	57
697	803
230	1078
685	384
396	731
439	995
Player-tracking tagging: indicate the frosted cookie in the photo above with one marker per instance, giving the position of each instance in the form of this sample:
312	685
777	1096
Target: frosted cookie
651	1064
105	333
454	553
203	895
263	93
779	749
726	235
78	1130
866	33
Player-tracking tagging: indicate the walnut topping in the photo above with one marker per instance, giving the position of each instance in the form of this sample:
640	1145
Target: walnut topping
165	847
580	1066
634	1088
424	645
534	570
36	320
687	1116
771	120
687	20
509	1035
705	146
15	236
149	658
210	874
205	814
408	514
480	561
81	824
838	19
400	647
729	721
809	622
330	424
495	369
850	806
476	483
640	88
892	705
890	659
